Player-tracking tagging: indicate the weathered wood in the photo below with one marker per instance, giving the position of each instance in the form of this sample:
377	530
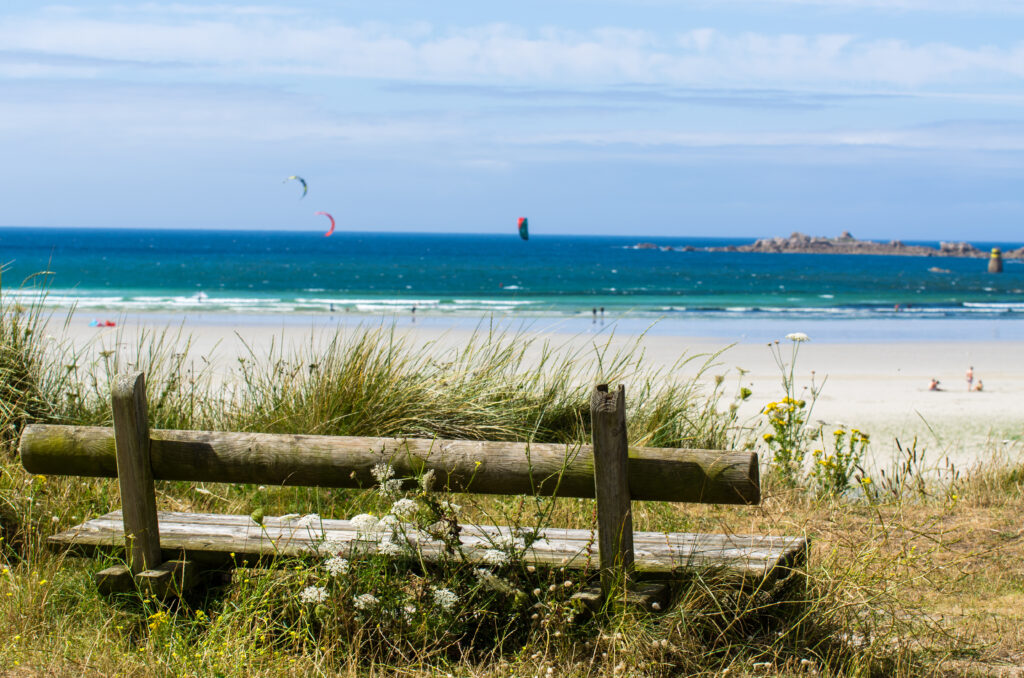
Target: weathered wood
663	474
206	538
611	483
170	578
116	579
648	597
134	475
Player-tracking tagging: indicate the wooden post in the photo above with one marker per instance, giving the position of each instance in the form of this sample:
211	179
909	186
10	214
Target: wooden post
611	486
134	473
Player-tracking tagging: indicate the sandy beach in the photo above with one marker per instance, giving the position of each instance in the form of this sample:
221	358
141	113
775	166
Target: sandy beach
880	388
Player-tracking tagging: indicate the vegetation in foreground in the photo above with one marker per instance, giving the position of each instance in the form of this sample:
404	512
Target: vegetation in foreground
911	573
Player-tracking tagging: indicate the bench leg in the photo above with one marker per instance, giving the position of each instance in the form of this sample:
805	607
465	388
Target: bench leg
611	486
135	473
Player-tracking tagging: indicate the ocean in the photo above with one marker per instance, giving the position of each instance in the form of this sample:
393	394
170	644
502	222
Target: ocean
259	274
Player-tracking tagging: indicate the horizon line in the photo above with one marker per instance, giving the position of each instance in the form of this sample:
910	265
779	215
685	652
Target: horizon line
638	238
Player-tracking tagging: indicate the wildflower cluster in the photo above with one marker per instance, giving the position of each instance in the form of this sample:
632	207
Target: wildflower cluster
787	439
833	472
362	586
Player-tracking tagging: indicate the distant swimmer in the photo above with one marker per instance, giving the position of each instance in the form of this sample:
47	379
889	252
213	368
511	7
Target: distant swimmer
933	385
969	377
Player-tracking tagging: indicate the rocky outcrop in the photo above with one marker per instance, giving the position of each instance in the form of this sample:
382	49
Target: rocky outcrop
960	249
847	244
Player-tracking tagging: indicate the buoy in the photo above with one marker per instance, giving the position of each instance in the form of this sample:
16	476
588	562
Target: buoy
995	261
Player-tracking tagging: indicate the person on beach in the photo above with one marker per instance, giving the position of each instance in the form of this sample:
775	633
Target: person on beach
979	386
934	385
594	312
970	377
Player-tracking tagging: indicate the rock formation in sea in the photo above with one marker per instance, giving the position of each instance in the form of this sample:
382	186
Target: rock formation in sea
847	244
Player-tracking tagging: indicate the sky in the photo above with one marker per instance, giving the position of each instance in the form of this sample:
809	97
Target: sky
747	118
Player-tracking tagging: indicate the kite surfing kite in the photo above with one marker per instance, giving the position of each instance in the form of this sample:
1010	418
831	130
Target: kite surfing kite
332	223
524	228
302	181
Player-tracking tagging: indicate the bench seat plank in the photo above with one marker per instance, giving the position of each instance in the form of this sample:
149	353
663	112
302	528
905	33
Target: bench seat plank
210	538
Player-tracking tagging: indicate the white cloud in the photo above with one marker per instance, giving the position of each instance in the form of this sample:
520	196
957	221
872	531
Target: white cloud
258	45
956	137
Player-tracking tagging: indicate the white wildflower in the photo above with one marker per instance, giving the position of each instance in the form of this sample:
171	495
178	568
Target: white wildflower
494	557
313	594
797	337
389	548
333	546
391	488
364	523
427	481
389	524
365	601
407	613
445	599
288	517
336	566
491	581
507	541
308	520
405	509
382	472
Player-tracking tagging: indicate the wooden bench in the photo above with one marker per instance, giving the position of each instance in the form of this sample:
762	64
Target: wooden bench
165	550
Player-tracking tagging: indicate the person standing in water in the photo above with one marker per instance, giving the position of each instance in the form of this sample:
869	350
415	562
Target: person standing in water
970	377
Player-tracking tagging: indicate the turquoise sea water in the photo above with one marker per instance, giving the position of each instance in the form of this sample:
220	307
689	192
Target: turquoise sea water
260	274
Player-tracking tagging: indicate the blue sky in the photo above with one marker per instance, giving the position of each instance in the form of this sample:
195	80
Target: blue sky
891	119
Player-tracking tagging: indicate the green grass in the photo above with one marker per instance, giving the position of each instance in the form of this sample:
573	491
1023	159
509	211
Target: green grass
920	582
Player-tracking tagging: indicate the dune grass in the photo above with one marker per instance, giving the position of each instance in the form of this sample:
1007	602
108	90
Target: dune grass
925	580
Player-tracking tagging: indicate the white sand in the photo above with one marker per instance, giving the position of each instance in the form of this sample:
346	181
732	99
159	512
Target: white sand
880	388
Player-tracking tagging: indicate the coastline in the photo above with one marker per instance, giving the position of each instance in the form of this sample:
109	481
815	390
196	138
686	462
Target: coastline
875	381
